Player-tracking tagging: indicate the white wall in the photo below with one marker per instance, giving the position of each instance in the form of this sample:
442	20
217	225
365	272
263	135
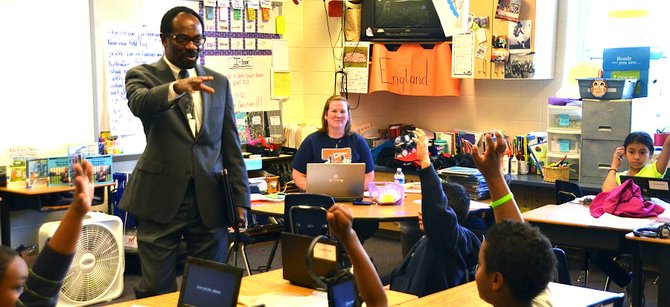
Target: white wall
47	98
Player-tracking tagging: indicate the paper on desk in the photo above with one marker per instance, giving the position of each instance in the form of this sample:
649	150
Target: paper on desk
413	188
262	197
316	299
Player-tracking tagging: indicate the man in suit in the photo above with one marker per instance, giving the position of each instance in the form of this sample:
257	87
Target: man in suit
176	189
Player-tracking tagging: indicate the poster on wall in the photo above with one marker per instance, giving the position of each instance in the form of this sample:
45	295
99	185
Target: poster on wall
356	62
126	46
249	78
462	61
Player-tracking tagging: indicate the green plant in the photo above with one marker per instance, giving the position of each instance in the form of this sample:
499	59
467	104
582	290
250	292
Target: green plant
663	130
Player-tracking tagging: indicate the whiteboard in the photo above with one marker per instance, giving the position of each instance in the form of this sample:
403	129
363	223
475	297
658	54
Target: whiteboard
126	33
47	99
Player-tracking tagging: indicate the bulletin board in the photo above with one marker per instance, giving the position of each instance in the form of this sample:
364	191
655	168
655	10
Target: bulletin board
126	33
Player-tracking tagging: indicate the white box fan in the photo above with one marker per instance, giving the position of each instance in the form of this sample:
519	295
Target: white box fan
96	273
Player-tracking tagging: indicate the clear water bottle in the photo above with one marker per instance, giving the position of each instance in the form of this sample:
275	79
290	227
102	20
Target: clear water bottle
399	177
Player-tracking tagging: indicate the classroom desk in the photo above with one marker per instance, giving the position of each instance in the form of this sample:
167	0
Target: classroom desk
408	210
660	249
571	224
466	295
254	285
22	198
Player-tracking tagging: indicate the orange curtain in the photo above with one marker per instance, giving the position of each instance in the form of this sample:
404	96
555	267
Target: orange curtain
413	70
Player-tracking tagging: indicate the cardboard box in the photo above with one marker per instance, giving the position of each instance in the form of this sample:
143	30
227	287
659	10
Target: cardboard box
639	63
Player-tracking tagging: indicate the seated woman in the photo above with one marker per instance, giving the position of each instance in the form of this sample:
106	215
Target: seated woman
336	142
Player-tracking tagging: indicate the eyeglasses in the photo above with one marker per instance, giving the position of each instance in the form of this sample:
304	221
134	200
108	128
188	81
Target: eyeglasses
183	40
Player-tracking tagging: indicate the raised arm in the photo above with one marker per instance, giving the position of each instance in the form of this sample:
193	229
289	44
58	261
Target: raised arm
610	180
662	161
488	164
367	280
65	238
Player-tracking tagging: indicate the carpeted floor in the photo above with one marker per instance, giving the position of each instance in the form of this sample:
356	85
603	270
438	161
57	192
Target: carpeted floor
386	254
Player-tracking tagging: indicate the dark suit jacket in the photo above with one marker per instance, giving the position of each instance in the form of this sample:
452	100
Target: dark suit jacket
173	156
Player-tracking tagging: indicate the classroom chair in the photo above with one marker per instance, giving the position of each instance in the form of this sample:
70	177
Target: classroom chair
262	229
567	191
305	199
308	220
562	271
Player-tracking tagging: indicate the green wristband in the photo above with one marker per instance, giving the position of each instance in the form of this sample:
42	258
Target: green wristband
502	200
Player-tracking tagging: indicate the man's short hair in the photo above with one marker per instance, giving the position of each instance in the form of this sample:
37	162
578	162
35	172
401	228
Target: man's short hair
522	255
166	21
458	200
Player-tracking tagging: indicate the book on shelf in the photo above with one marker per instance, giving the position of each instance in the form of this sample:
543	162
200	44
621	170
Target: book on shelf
59	171
37	173
16	170
102	168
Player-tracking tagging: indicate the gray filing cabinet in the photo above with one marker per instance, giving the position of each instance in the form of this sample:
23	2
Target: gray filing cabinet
605	125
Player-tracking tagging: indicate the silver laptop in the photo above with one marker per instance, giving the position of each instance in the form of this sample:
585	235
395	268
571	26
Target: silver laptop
342	181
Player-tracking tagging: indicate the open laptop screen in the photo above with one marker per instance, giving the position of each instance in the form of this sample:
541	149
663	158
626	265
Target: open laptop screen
342	181
651	187
209	283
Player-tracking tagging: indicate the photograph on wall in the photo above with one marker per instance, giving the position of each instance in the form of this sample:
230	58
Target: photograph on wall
508	10
520	66
519	36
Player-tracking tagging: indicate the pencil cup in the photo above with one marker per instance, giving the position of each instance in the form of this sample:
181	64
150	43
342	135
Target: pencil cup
523	167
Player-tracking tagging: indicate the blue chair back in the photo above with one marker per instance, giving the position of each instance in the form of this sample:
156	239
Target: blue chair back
305	199
562	266
567	191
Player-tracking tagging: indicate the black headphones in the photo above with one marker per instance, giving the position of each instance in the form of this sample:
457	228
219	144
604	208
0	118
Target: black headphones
661	231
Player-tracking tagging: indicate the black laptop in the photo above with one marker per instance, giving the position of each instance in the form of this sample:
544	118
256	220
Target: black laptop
209	283
651	187
294	266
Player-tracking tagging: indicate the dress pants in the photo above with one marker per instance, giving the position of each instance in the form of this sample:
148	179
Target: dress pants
158	246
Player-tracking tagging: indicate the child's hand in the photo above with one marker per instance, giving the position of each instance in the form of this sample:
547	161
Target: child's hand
83	187
619	153
489	161
421	147
339	222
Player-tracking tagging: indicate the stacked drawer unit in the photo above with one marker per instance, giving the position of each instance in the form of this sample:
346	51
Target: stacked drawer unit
605	125
564	136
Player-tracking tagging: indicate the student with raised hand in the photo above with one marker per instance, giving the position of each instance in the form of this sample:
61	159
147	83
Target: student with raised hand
41	285
638	147
447	254
488	163
367	280
516	264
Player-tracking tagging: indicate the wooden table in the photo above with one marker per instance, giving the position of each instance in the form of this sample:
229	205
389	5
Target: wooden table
20	197
258	284
466	295
408	210
658	249
571	224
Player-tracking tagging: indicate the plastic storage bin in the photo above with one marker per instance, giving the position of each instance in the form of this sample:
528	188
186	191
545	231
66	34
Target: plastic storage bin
386	193
564	117
564	143
606	88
